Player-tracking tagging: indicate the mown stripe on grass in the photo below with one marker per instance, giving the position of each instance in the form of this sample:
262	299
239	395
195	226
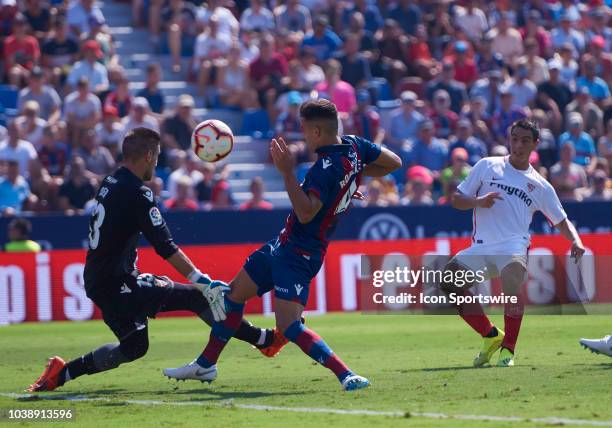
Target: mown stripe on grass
362	412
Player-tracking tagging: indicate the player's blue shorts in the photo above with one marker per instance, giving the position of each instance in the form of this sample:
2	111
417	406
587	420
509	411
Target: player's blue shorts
283	268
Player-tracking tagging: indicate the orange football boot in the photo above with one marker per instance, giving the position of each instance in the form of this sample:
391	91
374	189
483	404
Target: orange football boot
49	379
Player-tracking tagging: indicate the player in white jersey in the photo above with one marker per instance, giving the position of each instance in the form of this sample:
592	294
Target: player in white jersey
504	193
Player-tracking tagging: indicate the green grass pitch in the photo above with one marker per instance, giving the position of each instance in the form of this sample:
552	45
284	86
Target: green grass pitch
417	364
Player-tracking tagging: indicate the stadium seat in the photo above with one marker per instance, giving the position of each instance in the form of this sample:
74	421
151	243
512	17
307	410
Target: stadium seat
256	124
8	102
380	89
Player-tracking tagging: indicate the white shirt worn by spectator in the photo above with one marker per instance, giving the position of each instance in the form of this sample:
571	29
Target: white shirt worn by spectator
474	24
23	153
523	93
196	176
263	20
36	134
48	100
96	74
509	45
78	17
82	109
523	193
208	47
113	137
228	24
148	121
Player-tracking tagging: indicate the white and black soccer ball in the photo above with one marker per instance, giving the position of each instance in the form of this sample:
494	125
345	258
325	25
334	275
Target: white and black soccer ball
212	140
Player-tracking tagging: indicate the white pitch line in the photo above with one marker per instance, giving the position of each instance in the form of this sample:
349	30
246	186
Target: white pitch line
362	412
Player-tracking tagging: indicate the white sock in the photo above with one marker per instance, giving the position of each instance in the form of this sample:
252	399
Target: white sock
262	336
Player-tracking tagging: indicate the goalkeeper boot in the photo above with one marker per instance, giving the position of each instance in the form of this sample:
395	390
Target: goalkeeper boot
489	346
506	358
49	378
598	346
277	344
354	382
192	371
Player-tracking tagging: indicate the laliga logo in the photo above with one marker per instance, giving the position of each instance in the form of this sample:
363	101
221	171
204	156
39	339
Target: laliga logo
384	226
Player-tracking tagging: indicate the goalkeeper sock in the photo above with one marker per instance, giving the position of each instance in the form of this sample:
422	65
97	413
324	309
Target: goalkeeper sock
315	347
473	314
77	367
513	317
259	337
221	333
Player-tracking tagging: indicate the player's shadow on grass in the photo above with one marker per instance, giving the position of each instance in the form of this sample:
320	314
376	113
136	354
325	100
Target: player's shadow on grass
227	395
447	369
74	395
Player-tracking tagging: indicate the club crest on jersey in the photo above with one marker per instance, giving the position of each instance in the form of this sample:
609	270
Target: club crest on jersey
155	216
530	187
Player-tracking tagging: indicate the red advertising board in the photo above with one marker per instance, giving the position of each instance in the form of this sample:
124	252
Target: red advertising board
49	286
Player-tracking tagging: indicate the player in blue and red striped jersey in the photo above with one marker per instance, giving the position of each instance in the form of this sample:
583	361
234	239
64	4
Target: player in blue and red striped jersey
288	263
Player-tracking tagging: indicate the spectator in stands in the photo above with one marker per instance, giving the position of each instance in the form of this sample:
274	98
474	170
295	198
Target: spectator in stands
466	71
365	121
458	169
393	46
598	88
464	139
183	199
179	19
19	231
53	153
604	145
21	52
204	187
267	71
420	60
534	31
471	20
110	131
44	188
293	17
79	14
211	47
566	176
356	26
446	81
38	17
90	69
233	79
406	14
323	41
375	196
600	29
601	56
257	17
140	117
487	59
567	34
339	92
77	188
426	150
221	196
14	148
98	33
310	72
82	111
592	115
151	91
355	66
506	41
189	165
288	122
176	129
418	186
599	189
405	121
522	89
228	24
14	189
569	67
555	88
59	52
370	12
257	201
120	98
505	116
537	68
29	123
98	159
443	117
47	98
585	147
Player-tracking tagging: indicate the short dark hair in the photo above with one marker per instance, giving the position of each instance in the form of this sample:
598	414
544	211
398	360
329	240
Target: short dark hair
138	142
527	124
23	225
321	110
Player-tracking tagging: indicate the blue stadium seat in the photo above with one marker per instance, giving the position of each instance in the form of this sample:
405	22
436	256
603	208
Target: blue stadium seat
256	124
380	89
8	102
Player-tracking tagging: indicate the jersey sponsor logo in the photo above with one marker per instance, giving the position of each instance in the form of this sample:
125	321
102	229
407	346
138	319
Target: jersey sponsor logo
281	289
125	289
514	191
298	288
326	163
155	216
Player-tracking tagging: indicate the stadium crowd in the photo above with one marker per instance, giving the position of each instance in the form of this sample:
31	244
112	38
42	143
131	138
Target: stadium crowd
439	82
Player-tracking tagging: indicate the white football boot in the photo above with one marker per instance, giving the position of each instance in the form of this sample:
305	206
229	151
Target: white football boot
192	371
599	346
354	382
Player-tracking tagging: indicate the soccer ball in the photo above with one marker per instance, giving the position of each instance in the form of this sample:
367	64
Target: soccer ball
212	140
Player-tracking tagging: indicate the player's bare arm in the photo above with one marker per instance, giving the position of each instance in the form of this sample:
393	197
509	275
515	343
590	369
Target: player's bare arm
386	163
305	205
464	202
567	229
